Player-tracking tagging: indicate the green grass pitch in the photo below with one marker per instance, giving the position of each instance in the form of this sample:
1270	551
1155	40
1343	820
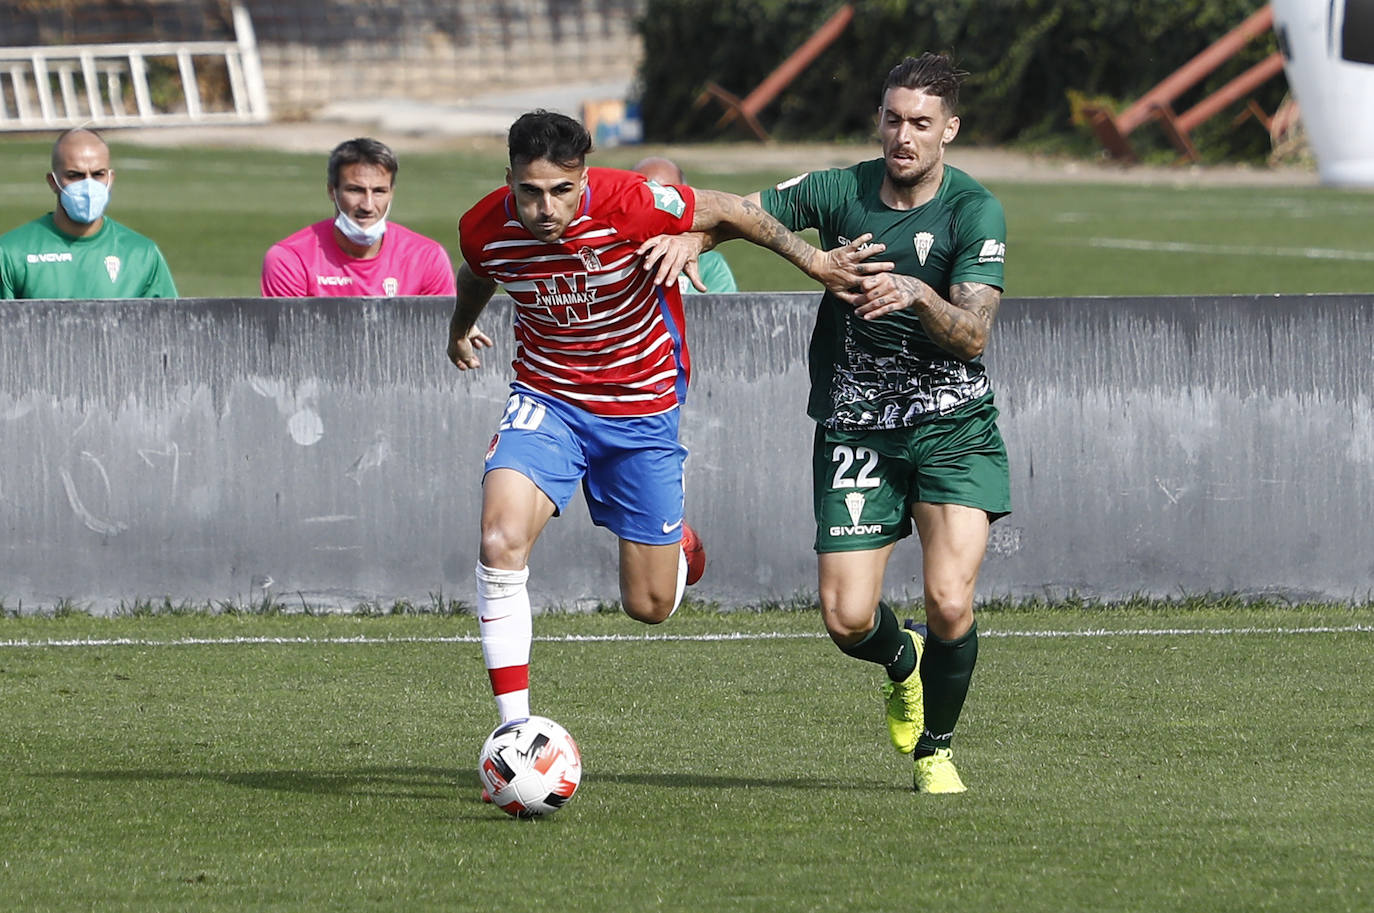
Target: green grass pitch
1208	757
215	211
311	764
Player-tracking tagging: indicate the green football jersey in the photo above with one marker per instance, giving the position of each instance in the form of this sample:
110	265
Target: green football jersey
714	273
39	261
888	373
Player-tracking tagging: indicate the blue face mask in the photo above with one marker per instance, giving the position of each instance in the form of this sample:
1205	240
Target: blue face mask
84	201
363	237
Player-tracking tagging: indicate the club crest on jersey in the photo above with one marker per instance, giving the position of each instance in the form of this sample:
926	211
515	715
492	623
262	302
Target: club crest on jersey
567	298
590	259
491	448
924	241
390	286
667	199
112	267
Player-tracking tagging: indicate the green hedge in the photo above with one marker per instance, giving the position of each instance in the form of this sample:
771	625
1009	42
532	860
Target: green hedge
1032	63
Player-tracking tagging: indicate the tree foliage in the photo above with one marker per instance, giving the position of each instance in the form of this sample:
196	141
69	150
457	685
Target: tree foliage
1032	63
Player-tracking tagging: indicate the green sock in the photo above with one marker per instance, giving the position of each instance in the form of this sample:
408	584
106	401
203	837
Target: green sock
946	667
887	645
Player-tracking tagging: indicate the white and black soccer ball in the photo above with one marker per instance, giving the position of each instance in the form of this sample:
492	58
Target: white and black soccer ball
530	767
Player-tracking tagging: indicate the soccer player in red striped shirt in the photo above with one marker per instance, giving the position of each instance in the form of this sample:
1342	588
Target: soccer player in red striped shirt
601	367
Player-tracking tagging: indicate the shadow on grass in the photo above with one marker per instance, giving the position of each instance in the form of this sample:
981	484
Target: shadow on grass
717	781
383	782
436	782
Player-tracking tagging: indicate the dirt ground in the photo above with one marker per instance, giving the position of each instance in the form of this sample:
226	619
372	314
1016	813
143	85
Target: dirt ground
983	163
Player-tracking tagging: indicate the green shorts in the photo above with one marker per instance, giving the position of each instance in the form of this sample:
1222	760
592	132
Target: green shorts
865	482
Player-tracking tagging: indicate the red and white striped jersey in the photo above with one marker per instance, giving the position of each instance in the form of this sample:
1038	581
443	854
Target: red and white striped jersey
591	328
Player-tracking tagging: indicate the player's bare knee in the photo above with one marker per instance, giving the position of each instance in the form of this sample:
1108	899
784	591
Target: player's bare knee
650	611
949	619
499	549
846	627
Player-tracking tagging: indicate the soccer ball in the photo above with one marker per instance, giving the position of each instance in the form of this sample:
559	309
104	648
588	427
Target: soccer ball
531	767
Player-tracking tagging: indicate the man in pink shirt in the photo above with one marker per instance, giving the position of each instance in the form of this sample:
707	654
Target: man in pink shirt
358	253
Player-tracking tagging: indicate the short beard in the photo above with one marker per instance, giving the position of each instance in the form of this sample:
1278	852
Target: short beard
908	181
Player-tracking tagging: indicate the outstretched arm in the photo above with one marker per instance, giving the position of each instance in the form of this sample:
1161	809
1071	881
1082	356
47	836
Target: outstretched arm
721	216
960	326
464	338
840	270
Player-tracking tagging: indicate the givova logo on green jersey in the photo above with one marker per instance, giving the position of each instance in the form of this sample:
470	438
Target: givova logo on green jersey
844	242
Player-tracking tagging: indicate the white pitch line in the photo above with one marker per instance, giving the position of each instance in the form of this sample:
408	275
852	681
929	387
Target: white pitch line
1184	632
650	638
1233	250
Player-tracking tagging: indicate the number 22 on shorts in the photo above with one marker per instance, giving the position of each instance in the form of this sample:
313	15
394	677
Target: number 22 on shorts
864	460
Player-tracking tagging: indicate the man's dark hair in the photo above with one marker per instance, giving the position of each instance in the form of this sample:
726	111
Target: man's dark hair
934	74
546	135
366	150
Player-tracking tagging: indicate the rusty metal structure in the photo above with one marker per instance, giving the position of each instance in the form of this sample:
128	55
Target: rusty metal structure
747	109
1114	130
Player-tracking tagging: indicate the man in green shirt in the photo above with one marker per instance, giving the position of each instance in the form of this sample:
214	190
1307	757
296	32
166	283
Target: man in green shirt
77	251
712	269
906	430
906	427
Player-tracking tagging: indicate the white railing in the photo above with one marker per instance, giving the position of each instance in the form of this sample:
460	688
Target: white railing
107	85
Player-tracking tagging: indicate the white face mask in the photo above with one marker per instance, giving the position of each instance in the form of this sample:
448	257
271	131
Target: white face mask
363	237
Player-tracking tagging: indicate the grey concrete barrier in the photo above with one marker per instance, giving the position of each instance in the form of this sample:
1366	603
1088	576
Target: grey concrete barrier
325	453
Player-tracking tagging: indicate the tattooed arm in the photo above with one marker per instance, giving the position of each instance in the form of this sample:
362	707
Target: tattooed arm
960	326
720	216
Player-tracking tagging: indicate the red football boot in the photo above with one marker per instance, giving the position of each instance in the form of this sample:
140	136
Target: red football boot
695	552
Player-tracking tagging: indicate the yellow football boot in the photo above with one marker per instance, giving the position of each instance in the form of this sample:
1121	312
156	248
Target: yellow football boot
906	701
936	774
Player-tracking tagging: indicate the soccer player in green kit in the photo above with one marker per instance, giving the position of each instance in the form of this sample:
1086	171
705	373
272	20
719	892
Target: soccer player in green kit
77	251
906	427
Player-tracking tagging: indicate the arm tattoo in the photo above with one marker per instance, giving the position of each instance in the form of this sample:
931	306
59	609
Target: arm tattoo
960	326
723	216
772	234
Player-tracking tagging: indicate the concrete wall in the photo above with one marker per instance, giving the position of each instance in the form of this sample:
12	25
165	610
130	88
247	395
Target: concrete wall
325	452
359	50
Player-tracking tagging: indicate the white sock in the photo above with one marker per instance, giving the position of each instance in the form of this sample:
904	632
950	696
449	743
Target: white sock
681	580
503	618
